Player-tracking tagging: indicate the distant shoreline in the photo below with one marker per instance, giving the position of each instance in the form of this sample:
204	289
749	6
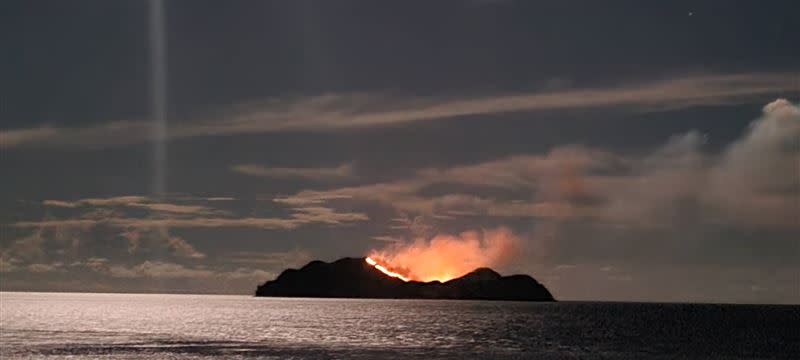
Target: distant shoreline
244	295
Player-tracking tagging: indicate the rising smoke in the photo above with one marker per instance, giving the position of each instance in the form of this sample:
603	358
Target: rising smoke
444	257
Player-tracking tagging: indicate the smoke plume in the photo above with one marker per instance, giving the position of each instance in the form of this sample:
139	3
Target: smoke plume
446	257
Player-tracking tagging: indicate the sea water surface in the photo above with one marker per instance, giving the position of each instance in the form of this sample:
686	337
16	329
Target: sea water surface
71	325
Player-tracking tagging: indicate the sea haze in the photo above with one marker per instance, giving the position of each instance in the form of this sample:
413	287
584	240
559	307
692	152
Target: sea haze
62	325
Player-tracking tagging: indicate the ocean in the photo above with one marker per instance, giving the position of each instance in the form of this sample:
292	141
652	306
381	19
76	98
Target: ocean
152	326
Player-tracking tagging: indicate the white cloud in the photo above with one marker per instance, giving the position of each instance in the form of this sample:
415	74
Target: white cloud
136	202
59	203
167	270
6	265
388	238
175	208
93	263
303	214
44	268
61	238
549	174
276	259
16	137
182	248
157	237
319	214
308	198
753	182
25	249
264	223
341	172
328	112
158	269
305	211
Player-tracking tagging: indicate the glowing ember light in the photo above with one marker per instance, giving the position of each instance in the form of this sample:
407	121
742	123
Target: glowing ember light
385	270
445	257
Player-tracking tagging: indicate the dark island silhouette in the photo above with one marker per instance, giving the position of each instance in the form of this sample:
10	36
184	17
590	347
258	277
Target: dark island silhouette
355	278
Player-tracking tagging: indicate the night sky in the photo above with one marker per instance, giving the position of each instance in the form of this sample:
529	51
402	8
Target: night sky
636	151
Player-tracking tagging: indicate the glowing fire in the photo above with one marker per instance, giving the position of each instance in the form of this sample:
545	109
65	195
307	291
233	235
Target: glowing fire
385	270
445	257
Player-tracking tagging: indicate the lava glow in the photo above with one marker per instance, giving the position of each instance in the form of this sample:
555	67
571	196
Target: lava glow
385	270
446	257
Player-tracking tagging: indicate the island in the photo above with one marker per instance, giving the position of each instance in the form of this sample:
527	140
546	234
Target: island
355	278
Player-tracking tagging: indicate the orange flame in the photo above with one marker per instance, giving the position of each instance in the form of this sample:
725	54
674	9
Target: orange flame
385	270
445	257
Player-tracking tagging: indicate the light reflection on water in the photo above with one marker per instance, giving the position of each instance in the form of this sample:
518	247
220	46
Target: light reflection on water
197	326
